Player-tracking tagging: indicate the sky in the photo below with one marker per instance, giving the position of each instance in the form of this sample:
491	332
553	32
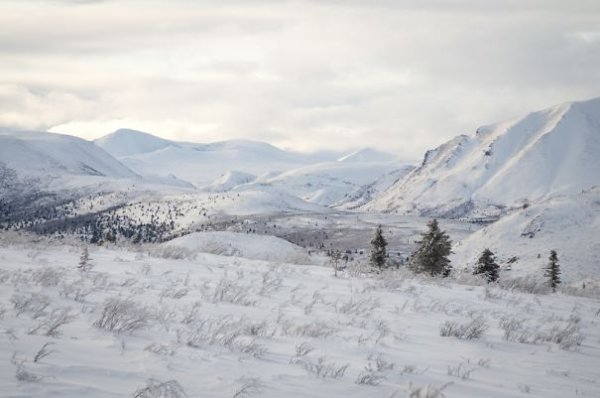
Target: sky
397	75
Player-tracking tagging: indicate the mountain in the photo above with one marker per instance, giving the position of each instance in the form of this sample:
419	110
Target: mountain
125	142
40	153
324	183
504	165
230	180
199	164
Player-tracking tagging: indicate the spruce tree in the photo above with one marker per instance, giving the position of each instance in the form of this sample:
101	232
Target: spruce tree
378	249
432	254
486	266
84	260
553	271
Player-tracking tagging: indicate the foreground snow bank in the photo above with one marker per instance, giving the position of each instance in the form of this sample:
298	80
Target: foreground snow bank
250	246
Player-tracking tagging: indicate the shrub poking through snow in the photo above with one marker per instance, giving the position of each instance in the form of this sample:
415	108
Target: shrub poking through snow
122	316
465	331
156	389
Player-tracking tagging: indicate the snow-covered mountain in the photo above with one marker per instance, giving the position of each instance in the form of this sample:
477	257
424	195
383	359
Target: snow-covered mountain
41	153
326	183
229	180
126	142
504	165
199	164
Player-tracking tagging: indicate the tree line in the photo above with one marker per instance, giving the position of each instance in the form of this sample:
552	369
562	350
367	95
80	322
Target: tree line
431	257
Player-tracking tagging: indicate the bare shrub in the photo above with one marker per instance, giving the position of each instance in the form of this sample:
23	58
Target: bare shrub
156	389
566	334
303	349
526	284
47	276
21	373
250	386
160	349
369	377
461	371
270	284
233	334
428	391
466	331
33	302
51	323
76	291
360	307
122	316
43	352
313	329
324	369
228	291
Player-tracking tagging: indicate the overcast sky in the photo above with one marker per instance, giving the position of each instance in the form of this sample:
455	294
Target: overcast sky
398	75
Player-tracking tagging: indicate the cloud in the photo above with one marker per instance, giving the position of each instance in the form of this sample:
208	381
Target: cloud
396	75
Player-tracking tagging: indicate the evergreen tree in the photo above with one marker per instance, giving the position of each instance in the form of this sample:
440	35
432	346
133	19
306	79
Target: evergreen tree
84	260
378	249
553	271
486	266
432	254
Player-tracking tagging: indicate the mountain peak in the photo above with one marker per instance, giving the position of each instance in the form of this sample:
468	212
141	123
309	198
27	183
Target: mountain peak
127	142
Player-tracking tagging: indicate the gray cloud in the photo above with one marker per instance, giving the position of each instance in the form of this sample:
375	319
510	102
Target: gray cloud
397	75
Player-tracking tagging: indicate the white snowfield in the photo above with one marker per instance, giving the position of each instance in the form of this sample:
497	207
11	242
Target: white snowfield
249	246
213	326
554	151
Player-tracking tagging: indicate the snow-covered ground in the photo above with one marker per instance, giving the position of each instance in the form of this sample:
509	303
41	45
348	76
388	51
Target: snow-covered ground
214	326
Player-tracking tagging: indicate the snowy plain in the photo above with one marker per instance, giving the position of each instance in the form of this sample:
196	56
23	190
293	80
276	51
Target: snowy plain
211	326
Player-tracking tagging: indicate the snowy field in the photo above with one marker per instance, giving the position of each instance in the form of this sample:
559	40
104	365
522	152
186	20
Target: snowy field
215	326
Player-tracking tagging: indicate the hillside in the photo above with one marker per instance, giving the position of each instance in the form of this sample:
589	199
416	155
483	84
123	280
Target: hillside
39	153
198	163
504	165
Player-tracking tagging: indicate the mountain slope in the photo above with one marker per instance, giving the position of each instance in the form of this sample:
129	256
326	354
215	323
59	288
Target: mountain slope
34	153
125	142
200	164
324	183
504	165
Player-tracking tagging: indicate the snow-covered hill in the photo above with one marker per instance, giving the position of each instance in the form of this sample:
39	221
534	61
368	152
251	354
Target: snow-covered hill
200	164
569	224
40	153
328	183
509	164
230	180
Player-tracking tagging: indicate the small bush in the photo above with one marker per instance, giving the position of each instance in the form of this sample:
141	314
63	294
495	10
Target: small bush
122	316
465	331
156	389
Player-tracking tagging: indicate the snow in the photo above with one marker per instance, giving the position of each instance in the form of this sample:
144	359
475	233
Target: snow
568	224
367	155
554	151
214	324
251	246
35	153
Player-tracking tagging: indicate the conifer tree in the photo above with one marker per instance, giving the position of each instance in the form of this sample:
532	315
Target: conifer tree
486	266
378	249
84	260
431	256
553	271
